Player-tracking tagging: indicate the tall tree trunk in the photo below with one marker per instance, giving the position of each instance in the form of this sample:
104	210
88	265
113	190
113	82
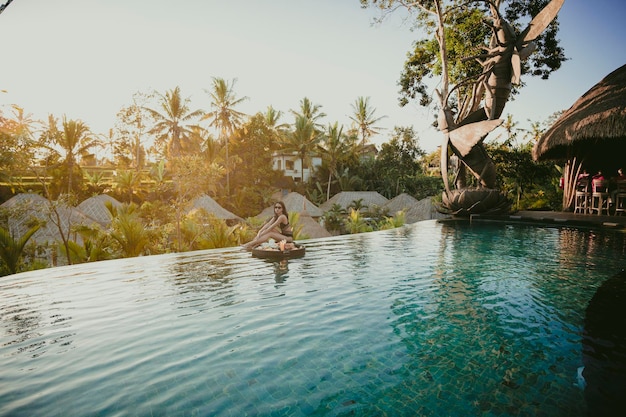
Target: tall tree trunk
330	177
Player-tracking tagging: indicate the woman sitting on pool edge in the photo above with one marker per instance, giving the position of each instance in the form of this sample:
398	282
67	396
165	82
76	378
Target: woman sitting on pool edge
268	230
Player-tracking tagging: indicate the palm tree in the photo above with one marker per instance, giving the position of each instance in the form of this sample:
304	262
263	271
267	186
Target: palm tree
224	117
95	245
272	117
213	151
334	148
303	140
310	111
364	119
11	250
357	204
96	182
74	140
128	230
307	131
127	181
172	126
23	123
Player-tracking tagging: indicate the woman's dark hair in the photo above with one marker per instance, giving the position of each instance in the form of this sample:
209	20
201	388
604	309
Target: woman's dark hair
284	210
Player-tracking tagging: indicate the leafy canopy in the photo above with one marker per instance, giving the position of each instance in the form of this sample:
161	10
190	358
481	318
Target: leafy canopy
466	35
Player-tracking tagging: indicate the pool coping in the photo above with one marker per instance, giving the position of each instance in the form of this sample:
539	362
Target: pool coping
549	218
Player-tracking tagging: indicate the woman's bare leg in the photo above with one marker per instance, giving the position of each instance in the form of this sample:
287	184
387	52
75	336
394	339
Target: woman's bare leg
265	237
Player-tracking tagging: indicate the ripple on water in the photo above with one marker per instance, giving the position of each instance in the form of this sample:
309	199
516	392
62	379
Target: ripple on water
426	319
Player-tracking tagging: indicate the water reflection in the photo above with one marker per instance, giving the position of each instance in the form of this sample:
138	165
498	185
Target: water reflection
591	248
359	253
20	325
34	322
199	282
281	270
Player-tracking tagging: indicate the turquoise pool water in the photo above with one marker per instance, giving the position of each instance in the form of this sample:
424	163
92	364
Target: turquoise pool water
430	319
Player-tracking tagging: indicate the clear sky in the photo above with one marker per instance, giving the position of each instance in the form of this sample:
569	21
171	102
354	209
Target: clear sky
86	58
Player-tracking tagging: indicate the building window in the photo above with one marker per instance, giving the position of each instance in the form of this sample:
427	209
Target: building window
289	165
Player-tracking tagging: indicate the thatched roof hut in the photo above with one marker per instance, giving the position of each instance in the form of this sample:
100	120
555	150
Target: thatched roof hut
96	208
590	135
401	202
24	200
593	129
414	210
345	198
26	207
311	228
211	206
424	210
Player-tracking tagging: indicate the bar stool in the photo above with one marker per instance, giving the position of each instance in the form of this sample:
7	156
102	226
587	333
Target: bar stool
620	204
620	198
582	196
599	197
581	202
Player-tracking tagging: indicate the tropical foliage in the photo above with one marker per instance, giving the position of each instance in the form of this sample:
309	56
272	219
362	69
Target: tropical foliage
365	120
96	245
224	117
128	232
173	124
163	152
355	223
66	145
466	36
11	249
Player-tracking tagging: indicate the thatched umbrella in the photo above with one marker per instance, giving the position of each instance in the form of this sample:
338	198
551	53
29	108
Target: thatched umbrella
212	207
95	207
591	133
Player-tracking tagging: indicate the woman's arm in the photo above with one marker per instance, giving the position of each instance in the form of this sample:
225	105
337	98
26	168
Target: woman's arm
281	219
265	226
270	224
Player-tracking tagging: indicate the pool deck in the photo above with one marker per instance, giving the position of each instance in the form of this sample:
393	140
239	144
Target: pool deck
555	218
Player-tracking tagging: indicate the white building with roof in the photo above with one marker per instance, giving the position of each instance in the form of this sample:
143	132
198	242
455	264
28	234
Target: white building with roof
291	164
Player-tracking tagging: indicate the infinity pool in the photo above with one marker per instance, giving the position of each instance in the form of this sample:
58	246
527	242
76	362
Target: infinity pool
432	319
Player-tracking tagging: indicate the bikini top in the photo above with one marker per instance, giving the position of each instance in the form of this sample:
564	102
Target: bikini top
284	226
